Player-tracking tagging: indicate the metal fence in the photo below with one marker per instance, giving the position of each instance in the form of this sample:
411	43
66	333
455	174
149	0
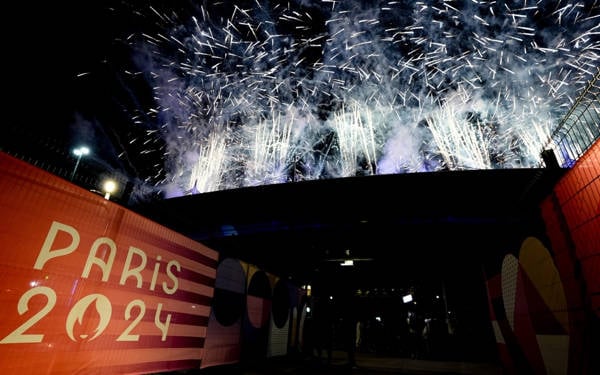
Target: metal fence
578	129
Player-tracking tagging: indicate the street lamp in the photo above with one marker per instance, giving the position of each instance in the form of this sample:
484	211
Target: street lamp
79	152
109	187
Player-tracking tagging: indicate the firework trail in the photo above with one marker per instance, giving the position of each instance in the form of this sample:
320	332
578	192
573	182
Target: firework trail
261	92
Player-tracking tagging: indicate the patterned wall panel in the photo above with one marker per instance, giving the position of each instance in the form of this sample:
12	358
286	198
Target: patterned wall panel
545	301
255	326
279	331
223	334
529	312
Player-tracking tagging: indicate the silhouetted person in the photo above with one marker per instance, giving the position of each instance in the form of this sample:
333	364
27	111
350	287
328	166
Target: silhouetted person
415	330
359	335
324	330
348	336
426	338
308	336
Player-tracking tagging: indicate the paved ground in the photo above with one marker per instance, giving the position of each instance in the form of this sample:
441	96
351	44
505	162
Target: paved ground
366	364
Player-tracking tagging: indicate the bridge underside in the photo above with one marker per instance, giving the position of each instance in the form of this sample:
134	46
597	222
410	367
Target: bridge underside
395	227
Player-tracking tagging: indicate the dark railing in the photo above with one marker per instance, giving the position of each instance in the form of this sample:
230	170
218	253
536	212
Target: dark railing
53	155
578	129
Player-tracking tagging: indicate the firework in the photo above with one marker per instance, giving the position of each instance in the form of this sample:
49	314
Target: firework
251	93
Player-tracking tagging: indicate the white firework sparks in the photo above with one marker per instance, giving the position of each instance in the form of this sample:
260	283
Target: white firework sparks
266	92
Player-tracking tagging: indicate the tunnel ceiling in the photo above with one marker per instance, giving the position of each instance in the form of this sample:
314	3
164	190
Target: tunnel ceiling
393	224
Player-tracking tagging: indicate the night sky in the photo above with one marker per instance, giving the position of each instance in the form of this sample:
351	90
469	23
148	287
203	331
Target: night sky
64	78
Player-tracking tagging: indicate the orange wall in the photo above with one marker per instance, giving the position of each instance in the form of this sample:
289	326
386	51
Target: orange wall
545	301
572	214
572	217
88	286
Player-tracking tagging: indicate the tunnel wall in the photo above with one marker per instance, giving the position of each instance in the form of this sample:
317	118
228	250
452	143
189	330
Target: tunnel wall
544	299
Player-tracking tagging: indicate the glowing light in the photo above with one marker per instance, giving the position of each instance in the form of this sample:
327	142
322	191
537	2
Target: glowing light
308	290
79	152
109	187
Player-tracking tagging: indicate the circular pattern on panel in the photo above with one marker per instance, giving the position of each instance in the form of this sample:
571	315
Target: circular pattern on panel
228	299
258	301
536	307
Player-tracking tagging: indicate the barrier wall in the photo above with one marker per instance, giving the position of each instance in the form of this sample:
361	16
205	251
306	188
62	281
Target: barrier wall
254	315
545	300
572	214
87	286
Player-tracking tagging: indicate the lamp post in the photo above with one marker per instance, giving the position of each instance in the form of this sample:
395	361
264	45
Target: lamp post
79	152
109	187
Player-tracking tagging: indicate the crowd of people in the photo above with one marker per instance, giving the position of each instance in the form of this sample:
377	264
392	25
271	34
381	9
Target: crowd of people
413	334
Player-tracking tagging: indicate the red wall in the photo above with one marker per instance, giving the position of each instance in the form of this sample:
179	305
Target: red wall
87	286
572	217
572	214
545	301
